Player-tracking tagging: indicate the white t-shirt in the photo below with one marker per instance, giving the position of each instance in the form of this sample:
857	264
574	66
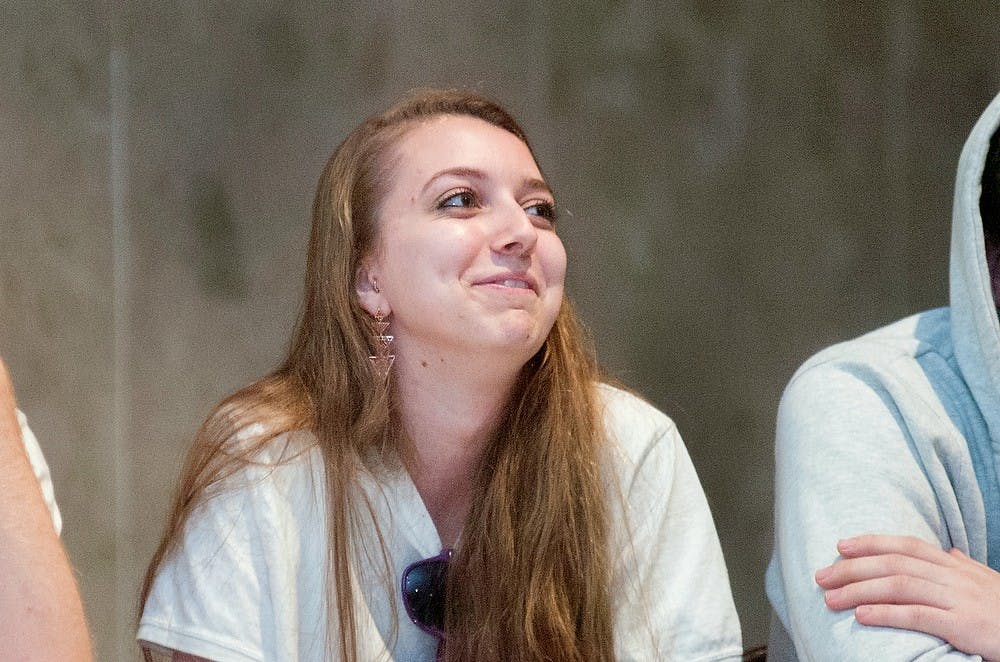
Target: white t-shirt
248	579
41	469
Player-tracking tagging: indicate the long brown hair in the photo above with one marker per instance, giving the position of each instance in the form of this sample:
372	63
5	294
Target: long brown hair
531	578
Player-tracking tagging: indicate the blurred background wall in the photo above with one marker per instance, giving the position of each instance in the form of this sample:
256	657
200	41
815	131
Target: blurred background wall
743	183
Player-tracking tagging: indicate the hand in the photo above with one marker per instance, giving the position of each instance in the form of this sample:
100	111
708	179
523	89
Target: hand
905	582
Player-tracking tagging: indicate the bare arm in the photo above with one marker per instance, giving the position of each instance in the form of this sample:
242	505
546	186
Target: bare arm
41	614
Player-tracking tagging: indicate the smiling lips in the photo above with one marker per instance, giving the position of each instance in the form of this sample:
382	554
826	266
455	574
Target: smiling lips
513	281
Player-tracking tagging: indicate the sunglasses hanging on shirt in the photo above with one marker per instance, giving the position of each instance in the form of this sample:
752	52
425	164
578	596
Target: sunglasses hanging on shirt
423	589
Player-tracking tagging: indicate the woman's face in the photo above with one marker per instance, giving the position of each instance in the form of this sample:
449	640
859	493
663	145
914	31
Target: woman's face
467	260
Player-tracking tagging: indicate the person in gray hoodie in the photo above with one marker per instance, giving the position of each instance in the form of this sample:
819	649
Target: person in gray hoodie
887	505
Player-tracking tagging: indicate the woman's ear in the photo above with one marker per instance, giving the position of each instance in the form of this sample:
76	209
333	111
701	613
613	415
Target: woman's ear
369	293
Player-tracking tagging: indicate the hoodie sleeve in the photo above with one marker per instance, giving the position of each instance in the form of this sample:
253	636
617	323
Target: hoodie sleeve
853	457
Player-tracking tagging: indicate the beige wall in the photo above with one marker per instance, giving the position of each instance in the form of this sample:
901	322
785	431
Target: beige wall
745	185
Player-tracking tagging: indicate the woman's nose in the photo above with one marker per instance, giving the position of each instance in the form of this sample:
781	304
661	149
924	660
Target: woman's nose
516	234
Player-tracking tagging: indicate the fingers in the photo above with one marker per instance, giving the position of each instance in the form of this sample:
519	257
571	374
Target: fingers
907	583
889	570
890	590
848	571
962	633
872	545
922	618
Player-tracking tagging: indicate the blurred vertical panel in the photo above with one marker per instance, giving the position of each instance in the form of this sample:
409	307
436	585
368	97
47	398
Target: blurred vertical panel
741	184
122	275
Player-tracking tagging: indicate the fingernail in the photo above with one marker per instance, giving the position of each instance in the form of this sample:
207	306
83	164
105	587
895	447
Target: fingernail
822	573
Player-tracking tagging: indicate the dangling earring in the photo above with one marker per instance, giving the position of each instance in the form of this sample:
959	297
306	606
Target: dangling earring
381	359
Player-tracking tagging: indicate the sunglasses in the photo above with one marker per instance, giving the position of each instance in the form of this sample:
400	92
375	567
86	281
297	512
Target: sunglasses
424	592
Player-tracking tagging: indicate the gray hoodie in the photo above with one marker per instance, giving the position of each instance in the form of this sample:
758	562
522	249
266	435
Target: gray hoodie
896	432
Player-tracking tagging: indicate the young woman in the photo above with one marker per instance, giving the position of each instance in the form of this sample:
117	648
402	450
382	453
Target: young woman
436	470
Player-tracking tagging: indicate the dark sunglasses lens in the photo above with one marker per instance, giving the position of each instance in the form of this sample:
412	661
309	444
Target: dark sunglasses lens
423	588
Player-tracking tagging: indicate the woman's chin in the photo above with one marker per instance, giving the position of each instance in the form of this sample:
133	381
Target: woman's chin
512	341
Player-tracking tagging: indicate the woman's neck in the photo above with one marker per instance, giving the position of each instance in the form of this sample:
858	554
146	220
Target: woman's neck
449	414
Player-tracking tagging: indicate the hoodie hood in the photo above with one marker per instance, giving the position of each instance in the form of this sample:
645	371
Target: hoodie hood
975	329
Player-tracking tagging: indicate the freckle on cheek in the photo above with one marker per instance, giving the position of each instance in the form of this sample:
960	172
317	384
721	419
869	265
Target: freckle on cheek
423	364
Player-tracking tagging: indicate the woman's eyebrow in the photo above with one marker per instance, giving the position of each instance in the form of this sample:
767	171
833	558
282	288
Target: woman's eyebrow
470	173
535	184
529	184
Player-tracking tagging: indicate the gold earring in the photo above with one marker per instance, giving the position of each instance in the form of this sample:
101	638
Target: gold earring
382	360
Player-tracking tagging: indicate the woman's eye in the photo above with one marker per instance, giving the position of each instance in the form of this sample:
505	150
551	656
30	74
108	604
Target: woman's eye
460	199
545	210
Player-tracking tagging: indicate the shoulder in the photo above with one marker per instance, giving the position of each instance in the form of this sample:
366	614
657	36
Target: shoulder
631	420
672	575
887	363
902	342
269	484
258	457
268	506
643	441
864	423
229	586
